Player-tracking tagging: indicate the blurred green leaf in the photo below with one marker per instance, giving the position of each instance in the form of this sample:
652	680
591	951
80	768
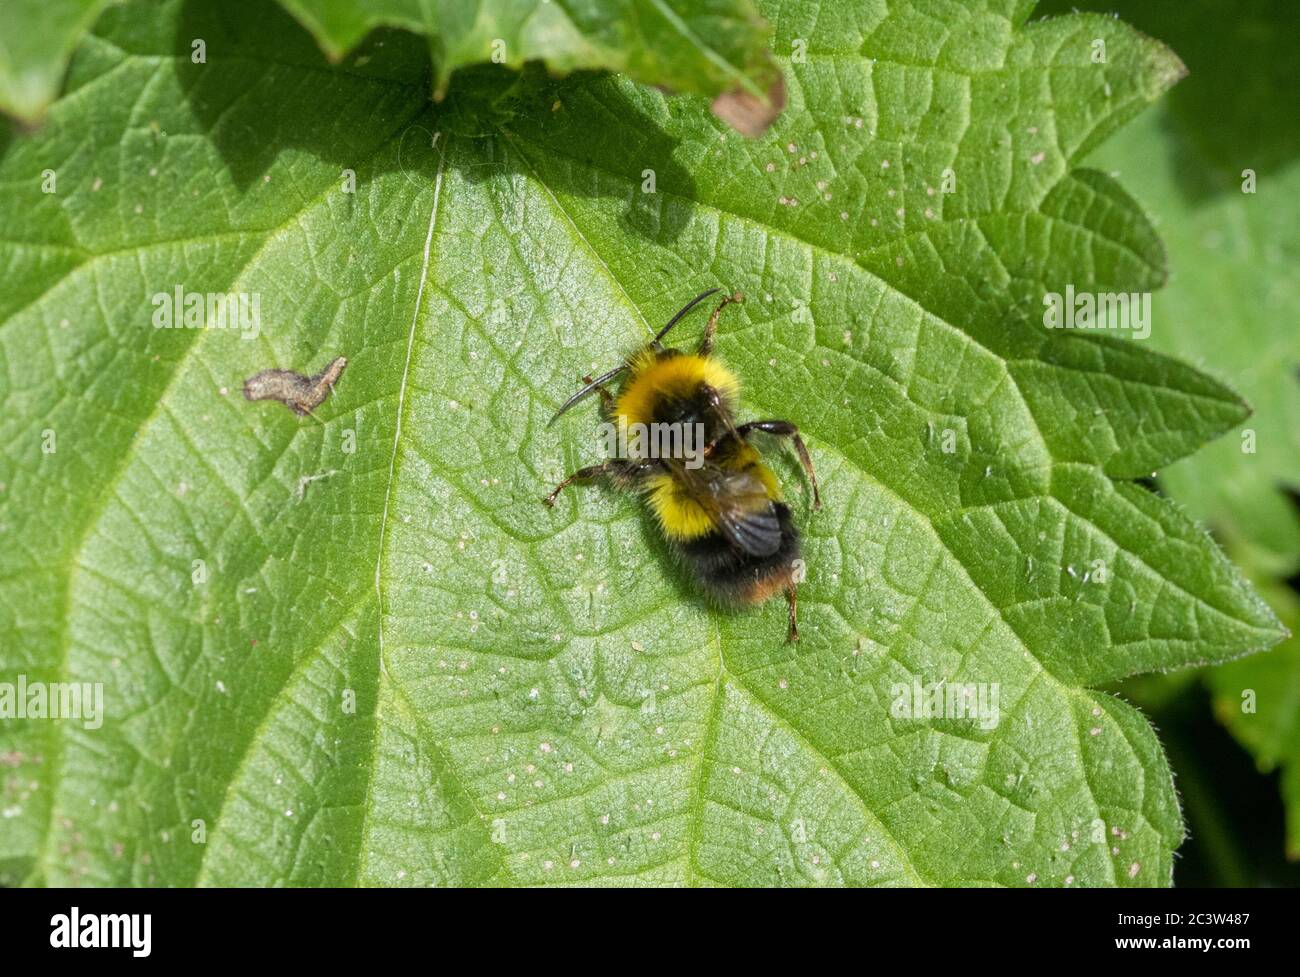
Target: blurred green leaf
1258	699
36	39
716	48
1231	307
359	649
685	45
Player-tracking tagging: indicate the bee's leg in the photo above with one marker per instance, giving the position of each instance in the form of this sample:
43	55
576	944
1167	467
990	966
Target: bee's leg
792	599
582	475
623	473
784	429
706	344
606	398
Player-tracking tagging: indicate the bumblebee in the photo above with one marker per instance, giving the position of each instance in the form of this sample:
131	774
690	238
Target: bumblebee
721	509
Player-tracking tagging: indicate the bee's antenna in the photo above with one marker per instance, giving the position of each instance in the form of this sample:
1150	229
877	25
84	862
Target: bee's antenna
677	318
603	378
606	377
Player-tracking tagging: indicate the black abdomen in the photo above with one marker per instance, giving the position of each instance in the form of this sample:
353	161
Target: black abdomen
734	577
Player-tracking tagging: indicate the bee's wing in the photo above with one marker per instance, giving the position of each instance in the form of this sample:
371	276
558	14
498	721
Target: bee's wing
756	532
738	504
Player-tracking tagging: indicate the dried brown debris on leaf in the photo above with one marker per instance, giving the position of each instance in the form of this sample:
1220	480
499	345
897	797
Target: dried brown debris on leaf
301	394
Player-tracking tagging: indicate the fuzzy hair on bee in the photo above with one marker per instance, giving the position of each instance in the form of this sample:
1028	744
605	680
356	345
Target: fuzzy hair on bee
721	512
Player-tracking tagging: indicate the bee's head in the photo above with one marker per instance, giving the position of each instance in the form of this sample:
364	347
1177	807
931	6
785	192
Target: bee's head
655	346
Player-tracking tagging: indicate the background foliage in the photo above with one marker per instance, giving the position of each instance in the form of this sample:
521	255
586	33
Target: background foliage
1232	307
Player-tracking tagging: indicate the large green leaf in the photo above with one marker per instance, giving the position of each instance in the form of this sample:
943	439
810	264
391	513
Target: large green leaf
539	696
